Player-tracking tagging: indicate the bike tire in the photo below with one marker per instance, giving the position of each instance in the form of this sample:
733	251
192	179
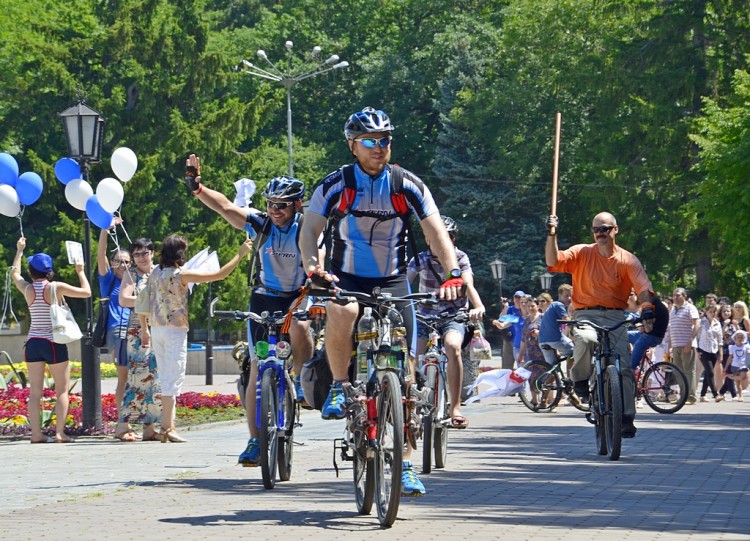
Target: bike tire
390	449
665	387
597	415
364	475
613	416
442	418
428	429
268	428
286	440
543	390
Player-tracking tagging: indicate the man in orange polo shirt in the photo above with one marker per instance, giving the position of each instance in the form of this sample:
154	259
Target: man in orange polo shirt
603	274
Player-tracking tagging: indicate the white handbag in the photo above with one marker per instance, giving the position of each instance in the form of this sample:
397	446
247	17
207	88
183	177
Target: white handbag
64	327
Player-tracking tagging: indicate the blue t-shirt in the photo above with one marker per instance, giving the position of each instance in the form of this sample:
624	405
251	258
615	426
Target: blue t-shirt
517	327
550	329
118	315
371	245
279	257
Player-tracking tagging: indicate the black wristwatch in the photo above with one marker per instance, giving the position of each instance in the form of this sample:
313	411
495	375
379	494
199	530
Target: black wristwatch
455	273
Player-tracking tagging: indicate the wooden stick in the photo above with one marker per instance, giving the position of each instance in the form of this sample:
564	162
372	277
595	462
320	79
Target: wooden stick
555	169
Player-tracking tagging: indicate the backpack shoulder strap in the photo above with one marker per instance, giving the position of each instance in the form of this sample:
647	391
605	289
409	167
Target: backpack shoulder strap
398	199
346	200
260	240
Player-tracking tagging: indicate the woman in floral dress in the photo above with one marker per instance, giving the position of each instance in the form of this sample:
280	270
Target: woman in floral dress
530	350
141	402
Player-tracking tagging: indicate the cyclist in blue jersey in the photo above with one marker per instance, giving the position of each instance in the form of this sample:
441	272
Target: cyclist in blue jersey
368	245
275	232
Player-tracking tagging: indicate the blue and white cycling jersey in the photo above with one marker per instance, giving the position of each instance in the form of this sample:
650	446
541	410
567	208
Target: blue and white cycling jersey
279	257
370	246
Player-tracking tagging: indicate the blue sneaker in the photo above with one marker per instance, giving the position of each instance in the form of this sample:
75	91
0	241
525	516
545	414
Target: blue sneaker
335	405
410	483
300	394
251	455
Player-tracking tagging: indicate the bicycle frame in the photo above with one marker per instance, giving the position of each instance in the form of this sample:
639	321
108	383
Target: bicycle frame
271	362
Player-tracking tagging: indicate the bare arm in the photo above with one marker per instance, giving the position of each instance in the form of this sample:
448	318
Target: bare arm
308	241
200	277
127	290
439	241
477	310
551	251
82	292
18	280
218	202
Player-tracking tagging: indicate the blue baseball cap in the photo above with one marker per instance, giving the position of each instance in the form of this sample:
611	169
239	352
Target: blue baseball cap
40	262
519	293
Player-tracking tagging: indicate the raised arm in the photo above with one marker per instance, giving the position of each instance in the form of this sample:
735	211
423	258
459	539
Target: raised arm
127	290
81	292
550	248
199	277
18	280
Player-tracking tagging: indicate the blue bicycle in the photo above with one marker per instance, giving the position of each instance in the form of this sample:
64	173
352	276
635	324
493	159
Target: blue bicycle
276	413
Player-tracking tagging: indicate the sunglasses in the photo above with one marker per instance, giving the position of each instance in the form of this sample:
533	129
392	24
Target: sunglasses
602	228
279	206
121	262
371	142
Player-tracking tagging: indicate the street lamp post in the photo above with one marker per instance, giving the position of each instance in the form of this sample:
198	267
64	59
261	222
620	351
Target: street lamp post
291	77
498	273
546	281
84	133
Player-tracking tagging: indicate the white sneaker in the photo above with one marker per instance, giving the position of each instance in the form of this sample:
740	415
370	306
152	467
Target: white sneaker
639	404
704	399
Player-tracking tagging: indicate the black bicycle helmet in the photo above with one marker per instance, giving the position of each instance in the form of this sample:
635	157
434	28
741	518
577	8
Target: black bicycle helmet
284	187
368	120
450	224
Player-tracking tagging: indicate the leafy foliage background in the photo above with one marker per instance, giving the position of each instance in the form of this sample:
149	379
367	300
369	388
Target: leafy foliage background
654	96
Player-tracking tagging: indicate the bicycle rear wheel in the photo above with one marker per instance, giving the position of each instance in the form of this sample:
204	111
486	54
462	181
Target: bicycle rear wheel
613	415
364	474
389	454
597	414
428	429
286	440
543	390
665	387
268	436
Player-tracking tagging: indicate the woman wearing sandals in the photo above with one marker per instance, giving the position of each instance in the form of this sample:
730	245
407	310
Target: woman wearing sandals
167	308
141	401
41	351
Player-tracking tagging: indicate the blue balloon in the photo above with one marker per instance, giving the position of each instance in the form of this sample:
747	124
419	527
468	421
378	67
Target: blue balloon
8	169
67	169
29	188
98	216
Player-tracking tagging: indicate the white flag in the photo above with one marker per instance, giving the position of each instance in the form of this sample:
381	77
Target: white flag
245	190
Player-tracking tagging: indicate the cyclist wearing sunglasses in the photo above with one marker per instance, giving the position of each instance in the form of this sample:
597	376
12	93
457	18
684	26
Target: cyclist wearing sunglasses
369	246
275	232
603	275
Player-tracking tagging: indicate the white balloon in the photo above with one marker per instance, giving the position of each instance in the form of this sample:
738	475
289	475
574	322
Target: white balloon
124	163
9	203
110	194
77	192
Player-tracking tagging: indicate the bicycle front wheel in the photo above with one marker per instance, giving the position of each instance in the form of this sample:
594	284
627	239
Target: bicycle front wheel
613	415
665	387
442	418
389	456
286	439
543	390
364	474
268	437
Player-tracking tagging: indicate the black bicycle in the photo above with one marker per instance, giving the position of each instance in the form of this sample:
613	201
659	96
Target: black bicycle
546	386
436	413
605	389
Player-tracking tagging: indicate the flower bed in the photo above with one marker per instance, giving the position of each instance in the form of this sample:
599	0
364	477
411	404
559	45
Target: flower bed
107	370
191	408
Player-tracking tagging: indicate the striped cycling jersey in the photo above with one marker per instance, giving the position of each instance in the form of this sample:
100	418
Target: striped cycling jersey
41	322
370	241
279	257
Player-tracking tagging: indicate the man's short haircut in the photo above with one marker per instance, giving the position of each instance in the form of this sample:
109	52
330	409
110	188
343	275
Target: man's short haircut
563	288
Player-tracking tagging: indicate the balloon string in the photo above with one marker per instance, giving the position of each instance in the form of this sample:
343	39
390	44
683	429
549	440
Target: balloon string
122	224
20	218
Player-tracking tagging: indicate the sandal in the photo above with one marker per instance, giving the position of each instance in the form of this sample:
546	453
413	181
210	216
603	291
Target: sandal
127	436
63	439
45	439
459	421
153	437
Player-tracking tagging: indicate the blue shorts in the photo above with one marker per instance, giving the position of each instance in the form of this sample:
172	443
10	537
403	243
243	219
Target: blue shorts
117	347
423	331
43	350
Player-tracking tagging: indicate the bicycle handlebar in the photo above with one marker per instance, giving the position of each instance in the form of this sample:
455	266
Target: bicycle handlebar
599	328
343	296
264	318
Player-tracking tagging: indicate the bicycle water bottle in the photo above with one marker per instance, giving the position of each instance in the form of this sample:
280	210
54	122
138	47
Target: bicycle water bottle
365	336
